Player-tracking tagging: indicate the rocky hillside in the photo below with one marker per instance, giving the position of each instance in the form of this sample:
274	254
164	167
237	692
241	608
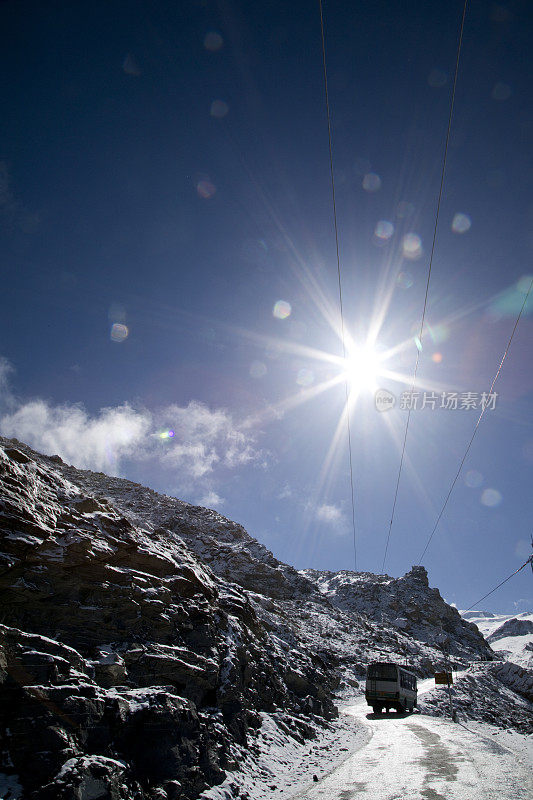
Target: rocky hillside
499	692
144	641
406	604
124	659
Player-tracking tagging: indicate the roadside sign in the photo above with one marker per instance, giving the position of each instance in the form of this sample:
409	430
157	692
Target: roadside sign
443	678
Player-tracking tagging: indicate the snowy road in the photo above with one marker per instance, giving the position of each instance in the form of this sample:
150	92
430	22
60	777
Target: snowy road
417	757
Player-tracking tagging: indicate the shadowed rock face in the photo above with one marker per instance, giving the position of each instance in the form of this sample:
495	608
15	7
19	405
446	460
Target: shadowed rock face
125	663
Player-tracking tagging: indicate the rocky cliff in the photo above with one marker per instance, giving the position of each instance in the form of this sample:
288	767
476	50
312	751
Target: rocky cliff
408	605
143	640
125	660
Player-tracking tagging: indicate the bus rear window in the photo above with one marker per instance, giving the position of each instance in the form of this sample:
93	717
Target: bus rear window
383	672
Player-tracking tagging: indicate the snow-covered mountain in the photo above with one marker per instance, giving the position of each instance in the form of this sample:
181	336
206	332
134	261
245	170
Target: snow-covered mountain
511	637
406	604
146	645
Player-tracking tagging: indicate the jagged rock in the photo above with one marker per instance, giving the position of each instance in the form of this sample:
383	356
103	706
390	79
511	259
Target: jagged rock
91	777
515	677
490	692
406	603
121	644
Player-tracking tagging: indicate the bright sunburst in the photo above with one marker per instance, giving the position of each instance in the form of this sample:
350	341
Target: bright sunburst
362	369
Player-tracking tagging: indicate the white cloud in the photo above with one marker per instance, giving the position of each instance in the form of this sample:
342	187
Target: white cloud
98	442
204	441
212	500
285	493
525	604
205	438
330	514
522	548
6	370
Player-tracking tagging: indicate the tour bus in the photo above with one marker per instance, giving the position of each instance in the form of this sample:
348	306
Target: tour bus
390	686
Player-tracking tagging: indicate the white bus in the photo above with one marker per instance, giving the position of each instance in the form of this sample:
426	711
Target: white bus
390	686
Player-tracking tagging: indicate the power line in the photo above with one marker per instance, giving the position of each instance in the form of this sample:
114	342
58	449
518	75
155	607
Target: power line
529	561
437	213
477	424
338	270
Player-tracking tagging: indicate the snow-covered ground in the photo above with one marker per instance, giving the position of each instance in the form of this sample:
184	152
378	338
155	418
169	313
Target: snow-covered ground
517	645
412	757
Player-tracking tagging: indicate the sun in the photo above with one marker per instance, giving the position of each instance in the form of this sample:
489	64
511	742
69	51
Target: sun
362	369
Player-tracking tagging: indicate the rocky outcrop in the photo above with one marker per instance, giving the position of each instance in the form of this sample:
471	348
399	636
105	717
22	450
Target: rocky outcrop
517	678
126	663
407	604
489	692
219	542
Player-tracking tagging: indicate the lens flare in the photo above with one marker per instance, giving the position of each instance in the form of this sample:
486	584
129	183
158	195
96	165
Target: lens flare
119	332
371	182
473	479
524	284
491	498
461	223
305	377
405	209
383	230
130	66
501	91
412	246
439	333
205	187
167	434
258	369
437	78
282	309
213	41
405	279
219	109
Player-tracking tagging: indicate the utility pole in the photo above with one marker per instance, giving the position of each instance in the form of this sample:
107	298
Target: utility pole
445	639
448	673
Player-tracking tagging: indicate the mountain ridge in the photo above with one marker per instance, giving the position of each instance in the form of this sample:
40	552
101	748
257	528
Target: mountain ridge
143	640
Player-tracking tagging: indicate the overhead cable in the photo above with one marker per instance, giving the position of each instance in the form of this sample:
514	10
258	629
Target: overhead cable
332	176
469	445
529	561
437	213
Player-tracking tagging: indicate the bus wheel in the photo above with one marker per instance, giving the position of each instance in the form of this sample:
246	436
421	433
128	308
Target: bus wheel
376	709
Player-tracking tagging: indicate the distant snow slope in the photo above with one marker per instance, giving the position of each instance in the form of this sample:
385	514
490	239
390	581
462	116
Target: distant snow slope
511	637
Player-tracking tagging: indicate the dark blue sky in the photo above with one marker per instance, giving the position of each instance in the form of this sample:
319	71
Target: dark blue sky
164	182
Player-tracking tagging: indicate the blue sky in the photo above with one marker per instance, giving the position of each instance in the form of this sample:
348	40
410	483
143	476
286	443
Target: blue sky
169	265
